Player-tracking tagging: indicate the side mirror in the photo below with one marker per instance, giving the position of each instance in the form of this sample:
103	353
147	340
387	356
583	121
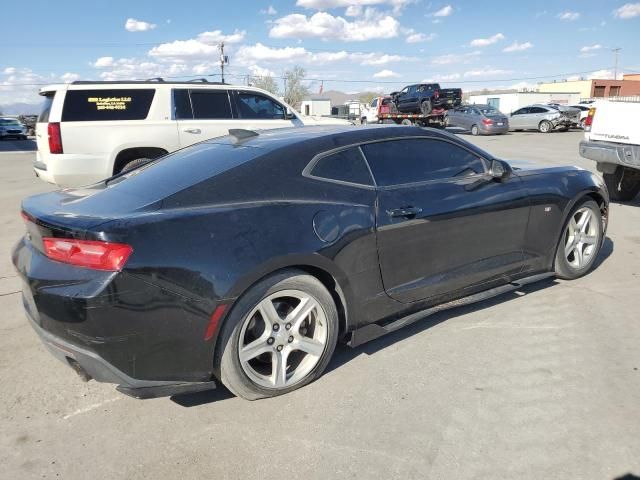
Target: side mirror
500	170
289	115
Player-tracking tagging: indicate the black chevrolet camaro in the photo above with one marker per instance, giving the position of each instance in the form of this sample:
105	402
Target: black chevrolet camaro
244	259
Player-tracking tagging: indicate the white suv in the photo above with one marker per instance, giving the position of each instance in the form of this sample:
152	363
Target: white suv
88	131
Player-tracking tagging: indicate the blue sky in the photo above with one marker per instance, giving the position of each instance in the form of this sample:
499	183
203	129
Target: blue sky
352	45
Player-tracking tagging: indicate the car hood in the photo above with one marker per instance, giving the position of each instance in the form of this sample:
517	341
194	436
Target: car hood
316	120
527	167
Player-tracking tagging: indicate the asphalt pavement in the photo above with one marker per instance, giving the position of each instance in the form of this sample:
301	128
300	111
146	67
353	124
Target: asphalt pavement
543	383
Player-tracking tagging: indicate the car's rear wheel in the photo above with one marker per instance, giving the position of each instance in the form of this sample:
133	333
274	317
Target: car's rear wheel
425	107
580	241
280	336
623	184
545	126
475	130
406	121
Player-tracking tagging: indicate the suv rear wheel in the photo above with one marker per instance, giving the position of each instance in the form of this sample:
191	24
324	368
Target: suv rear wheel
623	184
133	164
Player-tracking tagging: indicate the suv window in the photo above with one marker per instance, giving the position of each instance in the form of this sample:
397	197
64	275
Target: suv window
97	105
46	107
210	104
182	104
256	106
345	166
397	162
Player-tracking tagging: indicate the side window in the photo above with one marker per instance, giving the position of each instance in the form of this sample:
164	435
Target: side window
255	106
345	166
210	104
45	109
397	162
522	111
374	103
537	110
182	105
107	104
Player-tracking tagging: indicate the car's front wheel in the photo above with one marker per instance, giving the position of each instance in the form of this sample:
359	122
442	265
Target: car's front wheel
279	337
580	241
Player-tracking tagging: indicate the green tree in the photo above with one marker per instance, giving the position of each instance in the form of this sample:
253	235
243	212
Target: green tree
294	88
267	83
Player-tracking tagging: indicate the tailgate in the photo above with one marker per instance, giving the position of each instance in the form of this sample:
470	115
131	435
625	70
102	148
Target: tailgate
616	122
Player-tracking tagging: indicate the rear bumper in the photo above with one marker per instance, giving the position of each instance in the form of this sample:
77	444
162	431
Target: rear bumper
612	153
494	129
89	366
72	170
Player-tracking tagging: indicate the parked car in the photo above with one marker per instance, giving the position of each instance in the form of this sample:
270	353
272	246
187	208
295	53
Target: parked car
12	128
425	97
584	112
378	105
29	121
478	119
612	140
89	131
243	259
544	118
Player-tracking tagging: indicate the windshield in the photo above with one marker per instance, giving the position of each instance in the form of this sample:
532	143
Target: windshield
488	110
8	121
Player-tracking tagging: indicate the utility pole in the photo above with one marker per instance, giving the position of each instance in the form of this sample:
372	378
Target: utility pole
223	60
615	67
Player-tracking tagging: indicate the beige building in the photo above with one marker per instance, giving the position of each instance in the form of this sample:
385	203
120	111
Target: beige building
628	86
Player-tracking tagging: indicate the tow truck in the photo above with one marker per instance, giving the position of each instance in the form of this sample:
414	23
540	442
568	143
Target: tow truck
383	110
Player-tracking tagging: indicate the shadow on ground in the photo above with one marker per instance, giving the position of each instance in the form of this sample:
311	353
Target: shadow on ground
345	354
16	146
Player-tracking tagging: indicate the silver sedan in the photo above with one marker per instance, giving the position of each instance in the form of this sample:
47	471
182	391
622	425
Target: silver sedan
544	118
478	119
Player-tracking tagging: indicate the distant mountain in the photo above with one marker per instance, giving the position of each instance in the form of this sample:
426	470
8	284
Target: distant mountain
337	97
20	109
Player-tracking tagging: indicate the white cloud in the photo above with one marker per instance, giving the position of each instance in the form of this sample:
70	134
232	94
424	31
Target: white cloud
377	59
269	11
69	77
604	74
415	37
518	47
444	11
386	74
446	59
257	71
353	11
133	25
370	25
591	48
628	10
486	72
215	37
483	42
569	16
250	54
327	4
103	62
10	70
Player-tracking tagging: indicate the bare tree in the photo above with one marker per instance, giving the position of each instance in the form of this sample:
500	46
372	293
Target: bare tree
294	89
367	97
265	82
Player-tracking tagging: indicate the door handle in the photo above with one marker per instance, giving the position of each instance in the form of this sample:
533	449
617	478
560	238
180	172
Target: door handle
193	130
406	212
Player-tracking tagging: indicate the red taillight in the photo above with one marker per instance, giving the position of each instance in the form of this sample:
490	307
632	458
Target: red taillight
589	120
487	121
88	253
55	138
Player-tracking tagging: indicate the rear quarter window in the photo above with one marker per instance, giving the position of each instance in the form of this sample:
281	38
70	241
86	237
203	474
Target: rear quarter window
45	108
100	105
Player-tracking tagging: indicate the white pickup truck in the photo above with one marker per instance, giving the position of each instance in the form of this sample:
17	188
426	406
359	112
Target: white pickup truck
612	139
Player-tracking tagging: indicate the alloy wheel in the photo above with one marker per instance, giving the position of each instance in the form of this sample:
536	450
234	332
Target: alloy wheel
282	339
581	238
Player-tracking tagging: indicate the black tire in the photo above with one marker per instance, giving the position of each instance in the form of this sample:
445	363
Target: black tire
425	107
475	131
562	266
446	121
227	362
406	122
623	184
563	129
133	164
545	126
363	121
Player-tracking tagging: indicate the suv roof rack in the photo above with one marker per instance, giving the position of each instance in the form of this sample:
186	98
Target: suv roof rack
144	82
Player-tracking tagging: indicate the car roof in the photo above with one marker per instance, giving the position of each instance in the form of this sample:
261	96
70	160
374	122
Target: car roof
323	138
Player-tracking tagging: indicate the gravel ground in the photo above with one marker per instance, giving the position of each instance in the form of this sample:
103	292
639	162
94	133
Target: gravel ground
541	383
